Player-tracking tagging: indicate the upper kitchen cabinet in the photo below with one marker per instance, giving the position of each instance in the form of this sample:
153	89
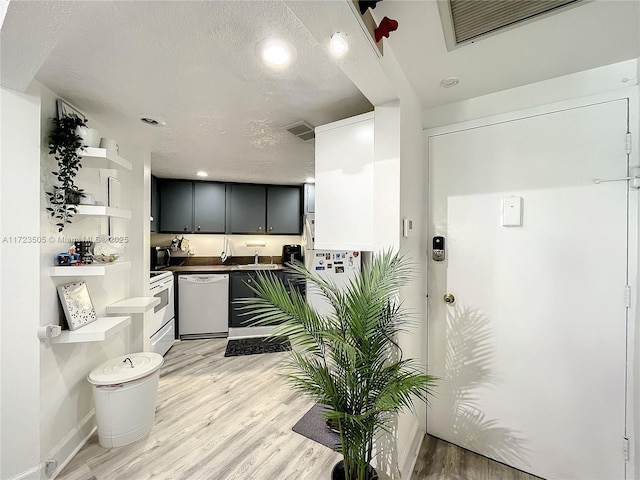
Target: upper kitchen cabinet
274	209
284	210
344	193
176	206
247	208
209	207
155	205
357	189
192	206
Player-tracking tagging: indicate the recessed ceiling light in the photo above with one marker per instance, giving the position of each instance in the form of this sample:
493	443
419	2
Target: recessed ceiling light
339	44
202	173
152	121
310	180
275	53
450	82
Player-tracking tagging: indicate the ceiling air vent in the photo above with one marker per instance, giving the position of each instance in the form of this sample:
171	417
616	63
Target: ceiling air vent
466	20
302	130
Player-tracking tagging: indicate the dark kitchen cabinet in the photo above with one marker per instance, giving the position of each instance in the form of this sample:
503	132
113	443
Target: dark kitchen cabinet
155	206
275	209
176	206
284	210
209	207
192	207
247	208
240	287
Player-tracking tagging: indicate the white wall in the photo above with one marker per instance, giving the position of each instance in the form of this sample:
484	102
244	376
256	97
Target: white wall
35	430
19	290
66	417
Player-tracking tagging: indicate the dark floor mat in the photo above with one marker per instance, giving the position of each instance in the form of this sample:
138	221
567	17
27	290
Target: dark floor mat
253	346
314	427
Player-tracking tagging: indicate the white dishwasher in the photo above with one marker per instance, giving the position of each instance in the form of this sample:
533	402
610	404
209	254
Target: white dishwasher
203	306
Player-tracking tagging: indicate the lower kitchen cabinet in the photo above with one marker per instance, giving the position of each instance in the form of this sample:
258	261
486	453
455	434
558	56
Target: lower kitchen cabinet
240	287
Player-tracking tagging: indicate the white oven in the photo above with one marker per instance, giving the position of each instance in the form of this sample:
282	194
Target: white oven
160	330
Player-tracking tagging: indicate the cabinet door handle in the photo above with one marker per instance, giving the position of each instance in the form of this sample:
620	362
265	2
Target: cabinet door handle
270	228
198	227
259	228
186	227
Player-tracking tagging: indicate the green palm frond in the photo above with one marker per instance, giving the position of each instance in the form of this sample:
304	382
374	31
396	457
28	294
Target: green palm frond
347	359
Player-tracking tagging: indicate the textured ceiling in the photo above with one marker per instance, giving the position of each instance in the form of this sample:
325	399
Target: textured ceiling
193	65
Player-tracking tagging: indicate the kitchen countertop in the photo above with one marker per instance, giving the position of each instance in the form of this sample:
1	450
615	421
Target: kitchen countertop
220	268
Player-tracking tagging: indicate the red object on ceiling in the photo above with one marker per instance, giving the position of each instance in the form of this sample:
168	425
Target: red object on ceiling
387	25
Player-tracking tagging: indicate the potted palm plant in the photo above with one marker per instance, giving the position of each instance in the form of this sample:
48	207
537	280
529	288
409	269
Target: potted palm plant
66	146
349	359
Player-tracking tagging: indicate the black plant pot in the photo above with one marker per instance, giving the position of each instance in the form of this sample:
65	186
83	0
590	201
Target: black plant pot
338	472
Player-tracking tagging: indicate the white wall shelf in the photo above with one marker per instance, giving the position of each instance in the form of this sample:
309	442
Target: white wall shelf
133	305
92	270
102	211
97	331
113	157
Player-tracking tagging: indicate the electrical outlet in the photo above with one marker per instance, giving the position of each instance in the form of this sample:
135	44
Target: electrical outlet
50	467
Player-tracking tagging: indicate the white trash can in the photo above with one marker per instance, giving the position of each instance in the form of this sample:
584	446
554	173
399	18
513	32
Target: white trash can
124	391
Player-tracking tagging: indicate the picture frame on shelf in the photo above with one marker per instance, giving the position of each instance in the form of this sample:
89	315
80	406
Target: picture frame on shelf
65	108
77	305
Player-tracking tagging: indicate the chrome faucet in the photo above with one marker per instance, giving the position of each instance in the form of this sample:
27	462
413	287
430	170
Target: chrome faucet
128	360
256	258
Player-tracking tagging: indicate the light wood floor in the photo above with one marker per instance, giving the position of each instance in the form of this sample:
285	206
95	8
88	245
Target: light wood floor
440	460
230	418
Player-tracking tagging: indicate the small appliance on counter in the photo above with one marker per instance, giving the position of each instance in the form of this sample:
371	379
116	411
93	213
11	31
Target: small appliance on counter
291	253
160	258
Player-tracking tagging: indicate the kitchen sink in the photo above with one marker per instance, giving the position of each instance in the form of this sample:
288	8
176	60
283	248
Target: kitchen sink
257	266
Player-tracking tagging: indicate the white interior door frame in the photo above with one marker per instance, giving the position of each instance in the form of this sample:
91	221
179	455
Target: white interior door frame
632	96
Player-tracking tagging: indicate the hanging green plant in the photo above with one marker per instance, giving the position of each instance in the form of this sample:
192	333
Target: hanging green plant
66	146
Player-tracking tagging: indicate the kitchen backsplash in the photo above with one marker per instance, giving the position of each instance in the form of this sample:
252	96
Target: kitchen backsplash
202	245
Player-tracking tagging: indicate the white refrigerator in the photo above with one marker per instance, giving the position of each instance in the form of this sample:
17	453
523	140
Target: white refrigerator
337	266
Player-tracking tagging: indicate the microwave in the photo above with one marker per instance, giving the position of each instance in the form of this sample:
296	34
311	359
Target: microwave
160	257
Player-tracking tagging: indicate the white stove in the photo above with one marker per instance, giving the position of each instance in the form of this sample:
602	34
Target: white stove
159	329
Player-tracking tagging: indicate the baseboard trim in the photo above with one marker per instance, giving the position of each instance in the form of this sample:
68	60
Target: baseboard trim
408	463
29	474
71	444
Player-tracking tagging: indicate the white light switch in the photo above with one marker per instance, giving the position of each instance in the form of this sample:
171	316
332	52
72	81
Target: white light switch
512	211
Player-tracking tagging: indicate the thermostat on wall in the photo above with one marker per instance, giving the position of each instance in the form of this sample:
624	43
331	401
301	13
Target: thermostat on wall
512	211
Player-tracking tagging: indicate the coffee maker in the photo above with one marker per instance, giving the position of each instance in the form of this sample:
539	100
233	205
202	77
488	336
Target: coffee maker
291	253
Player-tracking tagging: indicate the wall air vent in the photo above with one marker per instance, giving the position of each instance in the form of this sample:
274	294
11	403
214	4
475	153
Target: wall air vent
302	130
467	20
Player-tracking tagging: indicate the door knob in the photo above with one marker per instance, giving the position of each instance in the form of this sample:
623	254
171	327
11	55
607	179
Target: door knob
449	299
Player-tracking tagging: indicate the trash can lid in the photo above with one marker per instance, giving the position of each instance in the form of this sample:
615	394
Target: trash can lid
126	368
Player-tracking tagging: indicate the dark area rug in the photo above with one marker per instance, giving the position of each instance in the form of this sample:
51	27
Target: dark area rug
253	346
313	426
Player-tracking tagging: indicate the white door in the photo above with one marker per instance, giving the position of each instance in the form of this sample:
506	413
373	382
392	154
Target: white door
532	352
